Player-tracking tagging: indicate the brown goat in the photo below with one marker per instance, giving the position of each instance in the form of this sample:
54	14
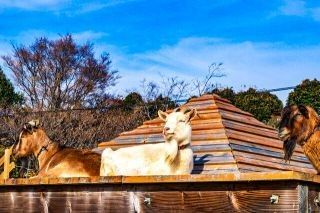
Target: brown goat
54	160
300	125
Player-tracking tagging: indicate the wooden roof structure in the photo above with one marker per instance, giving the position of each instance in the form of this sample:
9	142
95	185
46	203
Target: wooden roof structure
225	139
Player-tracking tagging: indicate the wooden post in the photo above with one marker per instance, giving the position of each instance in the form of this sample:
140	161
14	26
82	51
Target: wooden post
303	198
7	166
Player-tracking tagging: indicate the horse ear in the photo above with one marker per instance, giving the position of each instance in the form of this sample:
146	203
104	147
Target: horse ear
191	114
304	111
162	115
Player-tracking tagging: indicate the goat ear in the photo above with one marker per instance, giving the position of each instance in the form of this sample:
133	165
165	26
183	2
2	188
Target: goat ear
28	127
286	110
304	111
34	123
191	114
162	115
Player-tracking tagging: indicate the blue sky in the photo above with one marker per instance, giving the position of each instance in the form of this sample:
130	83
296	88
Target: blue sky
266	44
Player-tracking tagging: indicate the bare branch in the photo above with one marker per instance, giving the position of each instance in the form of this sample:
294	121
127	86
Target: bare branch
205	85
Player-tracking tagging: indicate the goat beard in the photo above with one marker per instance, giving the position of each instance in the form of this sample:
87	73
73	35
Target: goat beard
288	147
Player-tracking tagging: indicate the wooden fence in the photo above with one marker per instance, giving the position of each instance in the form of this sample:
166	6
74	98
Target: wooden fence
7	165
286	192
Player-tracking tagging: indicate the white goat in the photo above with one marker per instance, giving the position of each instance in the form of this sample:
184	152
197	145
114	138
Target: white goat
174	156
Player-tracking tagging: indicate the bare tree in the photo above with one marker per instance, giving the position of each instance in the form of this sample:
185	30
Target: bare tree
57	74
162	95
171	87
150	90
205	85
174	88
168	91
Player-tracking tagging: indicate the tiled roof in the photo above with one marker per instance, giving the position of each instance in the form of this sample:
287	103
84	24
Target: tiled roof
224	139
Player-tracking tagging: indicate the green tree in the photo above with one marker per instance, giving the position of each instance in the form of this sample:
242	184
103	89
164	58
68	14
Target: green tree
132	100
227	93
8	97
307	93
160	103
261	104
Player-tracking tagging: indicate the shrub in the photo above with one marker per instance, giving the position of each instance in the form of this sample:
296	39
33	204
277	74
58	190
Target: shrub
261	104
307	93
227	93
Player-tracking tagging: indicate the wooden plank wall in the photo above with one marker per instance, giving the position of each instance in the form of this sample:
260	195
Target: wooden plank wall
164	197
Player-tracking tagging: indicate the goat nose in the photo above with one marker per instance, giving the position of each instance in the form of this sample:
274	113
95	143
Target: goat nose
165	130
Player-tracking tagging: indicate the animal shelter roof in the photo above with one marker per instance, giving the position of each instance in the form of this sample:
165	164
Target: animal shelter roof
225	139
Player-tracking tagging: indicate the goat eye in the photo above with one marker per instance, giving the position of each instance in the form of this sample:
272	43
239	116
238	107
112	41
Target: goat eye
181	120
297	115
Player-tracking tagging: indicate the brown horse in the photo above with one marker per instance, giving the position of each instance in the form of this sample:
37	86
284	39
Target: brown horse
301	125
54	160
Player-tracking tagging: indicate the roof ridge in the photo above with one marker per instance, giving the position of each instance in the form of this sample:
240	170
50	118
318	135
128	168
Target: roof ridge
225	132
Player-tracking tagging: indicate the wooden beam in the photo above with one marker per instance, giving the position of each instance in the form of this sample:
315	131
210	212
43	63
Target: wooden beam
220	178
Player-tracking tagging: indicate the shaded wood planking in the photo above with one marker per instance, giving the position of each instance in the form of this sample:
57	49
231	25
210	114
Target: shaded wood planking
250	129
272	165
263	149
164	197
271	159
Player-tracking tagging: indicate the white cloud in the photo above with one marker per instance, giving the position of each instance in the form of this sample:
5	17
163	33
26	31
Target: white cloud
94	6
89	35
264	65
67	7
33	4
293	7
298	8
316	13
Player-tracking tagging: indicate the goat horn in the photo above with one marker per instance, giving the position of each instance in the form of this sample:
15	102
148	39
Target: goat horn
177	109
34	123
185	110
182	109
